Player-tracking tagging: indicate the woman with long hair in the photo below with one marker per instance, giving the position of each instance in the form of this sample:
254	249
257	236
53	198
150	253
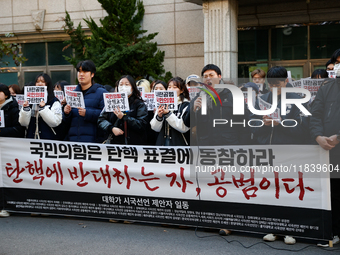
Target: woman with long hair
173	131
126	127
40	120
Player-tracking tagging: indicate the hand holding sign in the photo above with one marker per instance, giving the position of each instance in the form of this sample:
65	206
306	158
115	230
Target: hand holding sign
81	111
118	113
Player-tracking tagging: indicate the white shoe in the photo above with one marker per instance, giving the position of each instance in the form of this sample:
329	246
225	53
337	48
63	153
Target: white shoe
269	238
289	240
336	240
4	213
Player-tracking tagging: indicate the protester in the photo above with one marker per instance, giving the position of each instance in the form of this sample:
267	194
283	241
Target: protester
145	84
12	126
222	134
60	86
83	121
192	80
40	120
319	74
170	125
270	131
126	127
159	85
325	130
329	65
259	77
14	89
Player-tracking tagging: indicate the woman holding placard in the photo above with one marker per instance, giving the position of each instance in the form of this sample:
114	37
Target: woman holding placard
41	119
9	125
170	125
126	127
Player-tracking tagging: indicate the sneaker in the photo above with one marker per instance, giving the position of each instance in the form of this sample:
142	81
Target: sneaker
224	232
270	237
289	240
4	213
336	240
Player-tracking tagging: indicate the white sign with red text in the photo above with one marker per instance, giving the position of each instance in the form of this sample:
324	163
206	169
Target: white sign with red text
114	100
75	99
35	94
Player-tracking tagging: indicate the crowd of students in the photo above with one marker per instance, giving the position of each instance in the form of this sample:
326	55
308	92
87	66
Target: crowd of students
186	126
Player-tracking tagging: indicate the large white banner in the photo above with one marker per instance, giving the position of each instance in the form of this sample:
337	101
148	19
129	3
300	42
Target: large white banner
284	183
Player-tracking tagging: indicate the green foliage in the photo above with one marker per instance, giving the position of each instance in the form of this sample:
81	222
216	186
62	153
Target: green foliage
118	46
10	49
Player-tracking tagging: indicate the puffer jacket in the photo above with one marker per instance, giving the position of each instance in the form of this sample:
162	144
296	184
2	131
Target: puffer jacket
171	127
49	117
84	128
136	123
11	114
280	134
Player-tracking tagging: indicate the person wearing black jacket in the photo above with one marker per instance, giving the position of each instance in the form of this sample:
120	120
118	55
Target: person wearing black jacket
12	127
126	127
206	133
325	130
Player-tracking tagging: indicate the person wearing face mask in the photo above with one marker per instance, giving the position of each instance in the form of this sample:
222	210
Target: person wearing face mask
126	127
42	120
170	125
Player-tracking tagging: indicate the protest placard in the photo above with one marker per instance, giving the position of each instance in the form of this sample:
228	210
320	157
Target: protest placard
75	99
142	91
312	85
35	94
193	92
150	101
166	98
114	100
266	106
20	99
70	87
59	95
2	119
331	74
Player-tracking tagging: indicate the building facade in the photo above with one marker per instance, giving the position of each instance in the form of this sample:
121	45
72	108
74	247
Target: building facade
237	35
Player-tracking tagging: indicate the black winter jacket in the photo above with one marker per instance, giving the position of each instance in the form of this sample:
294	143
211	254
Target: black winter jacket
11	113
136	123
224	134
325	110
279	134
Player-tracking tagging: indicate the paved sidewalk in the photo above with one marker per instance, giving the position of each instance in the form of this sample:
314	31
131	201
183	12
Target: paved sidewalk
22	234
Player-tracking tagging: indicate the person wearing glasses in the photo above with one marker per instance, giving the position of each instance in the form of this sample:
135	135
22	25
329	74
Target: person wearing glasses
259	77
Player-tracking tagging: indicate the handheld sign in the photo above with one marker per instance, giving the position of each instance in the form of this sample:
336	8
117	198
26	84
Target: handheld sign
193	92
2	119
167	98
75	99
115	100
150	101
69	88
35	94
265	106
331	74
59	95
312	85
20	99
142	91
